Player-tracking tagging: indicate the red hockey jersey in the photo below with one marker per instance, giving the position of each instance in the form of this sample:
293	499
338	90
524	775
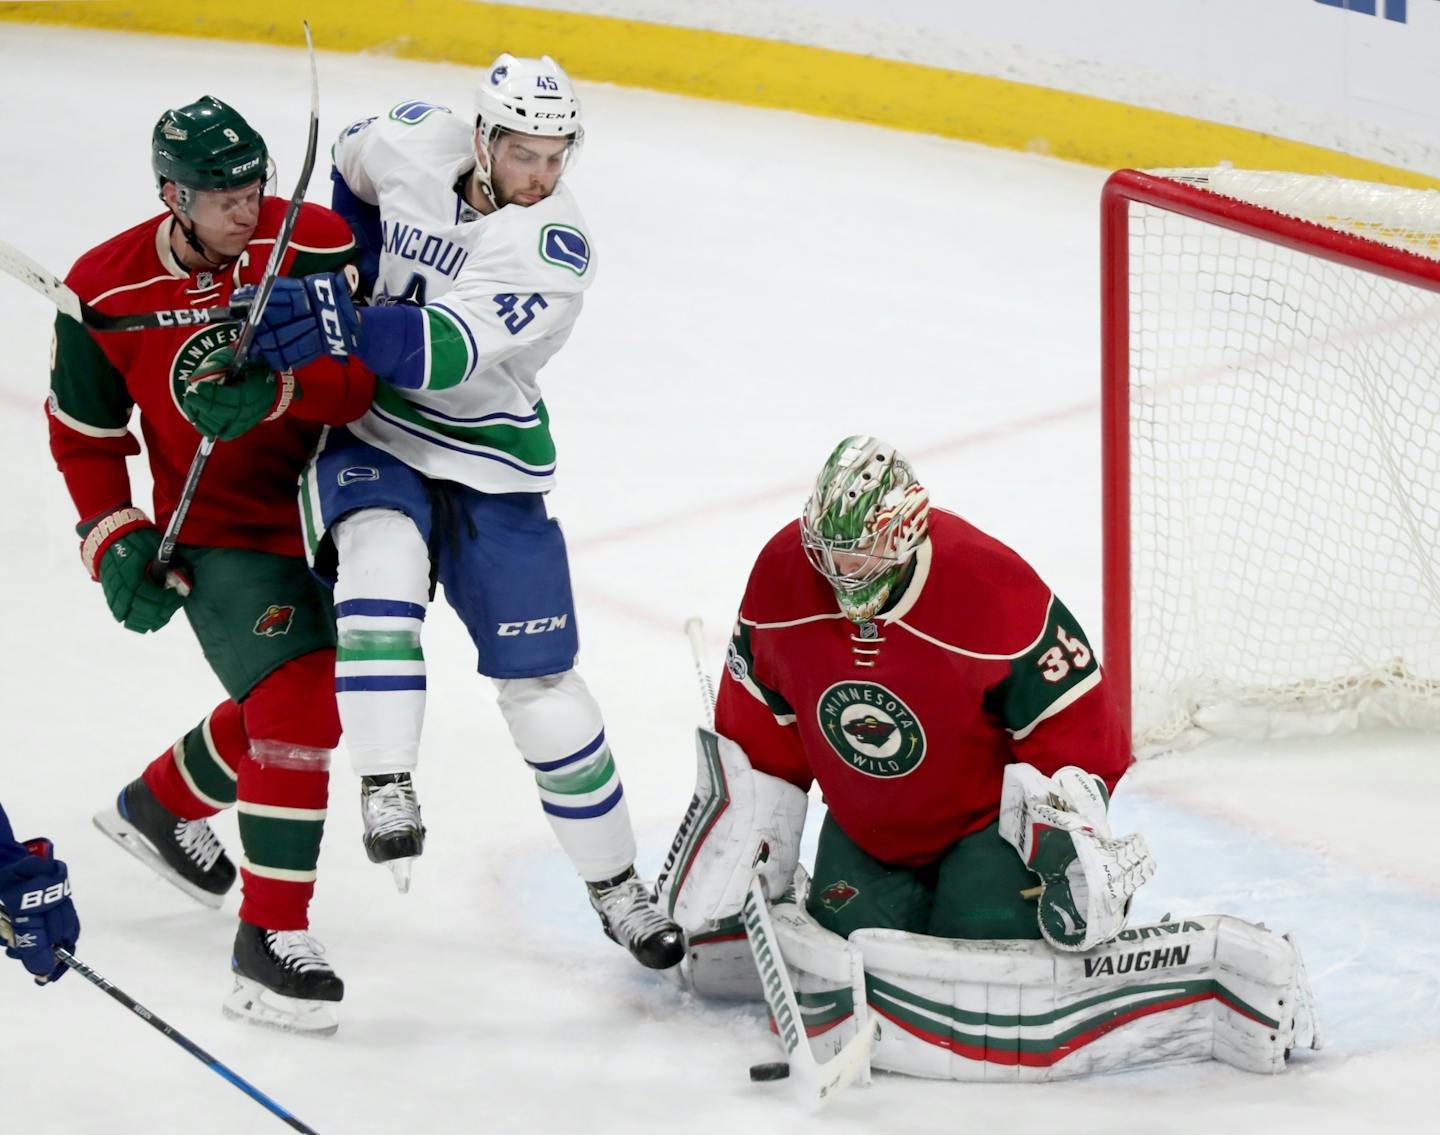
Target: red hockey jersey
908	723
247	496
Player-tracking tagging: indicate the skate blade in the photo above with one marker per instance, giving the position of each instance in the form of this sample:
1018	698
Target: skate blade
400	872
254	1004
117	828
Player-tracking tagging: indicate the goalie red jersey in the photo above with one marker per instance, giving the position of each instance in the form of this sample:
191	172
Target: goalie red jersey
247	497
907	722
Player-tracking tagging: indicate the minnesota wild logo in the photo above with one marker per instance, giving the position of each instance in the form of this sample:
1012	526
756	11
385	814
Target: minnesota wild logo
838	895
193	353
871	729
275	621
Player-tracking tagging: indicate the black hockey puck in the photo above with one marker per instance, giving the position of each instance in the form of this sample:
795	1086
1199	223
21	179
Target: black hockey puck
776	1071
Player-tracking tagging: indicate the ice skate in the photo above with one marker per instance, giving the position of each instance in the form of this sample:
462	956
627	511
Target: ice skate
630	916
186	853
394	834
282	981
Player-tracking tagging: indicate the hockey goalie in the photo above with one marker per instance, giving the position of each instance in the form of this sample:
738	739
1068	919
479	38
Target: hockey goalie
967	895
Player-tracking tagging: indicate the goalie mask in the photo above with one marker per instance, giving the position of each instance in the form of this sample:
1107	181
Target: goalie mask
206	145
862	523
522	96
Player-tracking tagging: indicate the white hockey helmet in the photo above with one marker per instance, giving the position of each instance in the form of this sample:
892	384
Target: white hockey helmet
525	96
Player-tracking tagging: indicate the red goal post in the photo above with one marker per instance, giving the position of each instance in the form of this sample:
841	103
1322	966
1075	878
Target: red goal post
1270	356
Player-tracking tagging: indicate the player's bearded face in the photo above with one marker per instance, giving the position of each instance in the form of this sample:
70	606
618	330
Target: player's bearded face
526	170
225	219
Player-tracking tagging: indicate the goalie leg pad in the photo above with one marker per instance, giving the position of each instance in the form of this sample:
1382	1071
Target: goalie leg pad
740	823
1182	990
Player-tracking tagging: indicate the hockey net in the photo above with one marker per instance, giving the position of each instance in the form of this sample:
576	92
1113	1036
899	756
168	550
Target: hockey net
1271	398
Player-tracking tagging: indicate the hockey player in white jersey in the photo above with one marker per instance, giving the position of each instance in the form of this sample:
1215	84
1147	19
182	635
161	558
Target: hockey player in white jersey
477	259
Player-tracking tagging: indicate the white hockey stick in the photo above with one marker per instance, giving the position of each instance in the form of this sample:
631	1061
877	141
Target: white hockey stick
694	626
17	265
814	1083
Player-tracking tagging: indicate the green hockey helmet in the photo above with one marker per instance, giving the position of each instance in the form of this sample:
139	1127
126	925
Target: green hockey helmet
863	522
206	145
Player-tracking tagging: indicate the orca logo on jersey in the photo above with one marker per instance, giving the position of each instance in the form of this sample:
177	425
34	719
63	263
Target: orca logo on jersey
192	354
565	248
355	474
871	729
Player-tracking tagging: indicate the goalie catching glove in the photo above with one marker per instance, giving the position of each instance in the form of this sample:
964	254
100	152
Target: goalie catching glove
1060	827
117	548
224	406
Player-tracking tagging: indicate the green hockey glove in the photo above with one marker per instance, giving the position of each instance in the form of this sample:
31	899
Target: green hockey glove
117	549
222	407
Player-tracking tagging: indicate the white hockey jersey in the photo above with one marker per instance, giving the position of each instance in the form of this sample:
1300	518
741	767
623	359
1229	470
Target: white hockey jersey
501	293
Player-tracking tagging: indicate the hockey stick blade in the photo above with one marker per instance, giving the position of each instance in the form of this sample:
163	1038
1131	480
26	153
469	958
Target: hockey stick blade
16	264
815	1084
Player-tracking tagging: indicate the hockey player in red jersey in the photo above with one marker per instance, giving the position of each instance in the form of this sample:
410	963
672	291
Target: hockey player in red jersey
265	625
905	660
960	728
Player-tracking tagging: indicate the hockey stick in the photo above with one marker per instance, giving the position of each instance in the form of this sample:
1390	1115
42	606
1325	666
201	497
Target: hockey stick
694	626
815	1083
157	567
182	1040
15	263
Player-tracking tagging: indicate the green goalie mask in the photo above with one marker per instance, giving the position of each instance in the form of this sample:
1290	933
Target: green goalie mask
206	145
863	522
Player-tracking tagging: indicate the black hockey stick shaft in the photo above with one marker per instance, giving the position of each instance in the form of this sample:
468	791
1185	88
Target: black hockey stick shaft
182	1040
247	332
16	264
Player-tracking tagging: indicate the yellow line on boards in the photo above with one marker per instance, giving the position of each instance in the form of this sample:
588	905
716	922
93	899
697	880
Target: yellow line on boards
736	69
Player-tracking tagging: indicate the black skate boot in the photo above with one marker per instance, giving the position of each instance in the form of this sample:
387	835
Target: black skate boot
394	834
630	916
186	853
282	981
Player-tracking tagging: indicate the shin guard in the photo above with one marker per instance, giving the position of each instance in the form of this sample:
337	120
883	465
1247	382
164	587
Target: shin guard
382	590
283	789
196	776
556	725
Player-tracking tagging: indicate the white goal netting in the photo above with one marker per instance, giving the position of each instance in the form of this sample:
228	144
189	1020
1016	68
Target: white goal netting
1284	466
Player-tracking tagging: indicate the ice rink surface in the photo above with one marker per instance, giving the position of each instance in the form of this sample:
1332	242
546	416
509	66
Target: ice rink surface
768	283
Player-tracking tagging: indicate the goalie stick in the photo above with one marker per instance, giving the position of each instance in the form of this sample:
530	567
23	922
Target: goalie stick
182	1040
814	1083
157	567
16	264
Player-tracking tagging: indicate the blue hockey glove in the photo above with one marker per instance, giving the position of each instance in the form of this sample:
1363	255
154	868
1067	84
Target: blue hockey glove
38	915
305	319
